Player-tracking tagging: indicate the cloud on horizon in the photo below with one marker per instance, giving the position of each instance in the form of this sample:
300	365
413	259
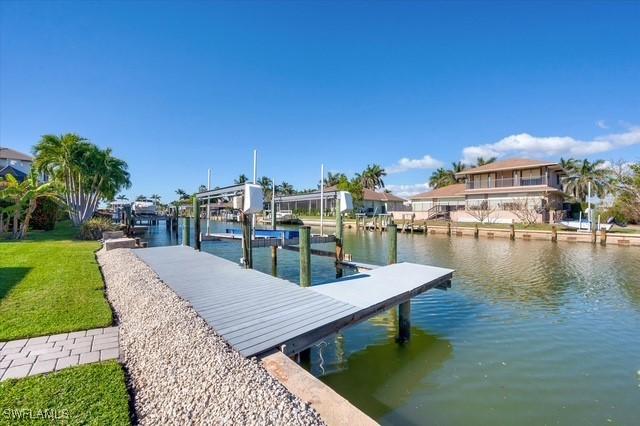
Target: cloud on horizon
408	190
405	164
526	145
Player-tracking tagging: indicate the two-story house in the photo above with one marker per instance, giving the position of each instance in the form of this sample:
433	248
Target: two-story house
14	163
497	193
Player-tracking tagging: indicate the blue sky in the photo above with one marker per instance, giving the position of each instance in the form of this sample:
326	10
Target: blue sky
178	87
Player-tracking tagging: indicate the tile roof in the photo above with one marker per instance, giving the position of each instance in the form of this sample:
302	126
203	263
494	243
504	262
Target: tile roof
14	155
510	164
455	190
370	195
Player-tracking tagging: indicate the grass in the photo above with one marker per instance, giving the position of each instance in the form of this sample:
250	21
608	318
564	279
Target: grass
49	284
93	394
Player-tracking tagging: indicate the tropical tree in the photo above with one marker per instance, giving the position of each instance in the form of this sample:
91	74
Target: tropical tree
266	185
241	179
122	197
155	198
86	173
285	188
333	178
581	173
141	197
371	177
202	188
181	193
481	161
442	177
24	196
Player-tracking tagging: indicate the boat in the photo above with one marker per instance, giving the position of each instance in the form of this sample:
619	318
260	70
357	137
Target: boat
282	216
587	225
144	207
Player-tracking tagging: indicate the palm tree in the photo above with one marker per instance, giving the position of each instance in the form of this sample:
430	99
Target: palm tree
266	185
581	173
141	197
371	177
202	188
121	197
285	188
567	164
441	178
23	195
241	179
458	167
481	161
155	198
333	178
181	193
87	173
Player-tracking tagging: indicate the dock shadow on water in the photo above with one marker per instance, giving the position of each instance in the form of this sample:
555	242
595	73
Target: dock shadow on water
388	373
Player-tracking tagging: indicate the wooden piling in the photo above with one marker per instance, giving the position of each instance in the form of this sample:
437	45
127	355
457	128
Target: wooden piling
247	252
512	233
476	232
449	228
554	234
594	236
274	249
186	231
196	223
305	256
413	216
392	238
339	233
603	237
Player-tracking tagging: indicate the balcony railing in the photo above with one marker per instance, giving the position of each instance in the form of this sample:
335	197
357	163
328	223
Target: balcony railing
506	182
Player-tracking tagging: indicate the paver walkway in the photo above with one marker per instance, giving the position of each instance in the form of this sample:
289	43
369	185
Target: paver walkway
28	357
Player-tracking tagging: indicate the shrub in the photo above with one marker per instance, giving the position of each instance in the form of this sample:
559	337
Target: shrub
93	228
45	215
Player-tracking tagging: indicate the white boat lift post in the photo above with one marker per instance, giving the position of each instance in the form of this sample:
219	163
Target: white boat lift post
321	199
255	181
208	201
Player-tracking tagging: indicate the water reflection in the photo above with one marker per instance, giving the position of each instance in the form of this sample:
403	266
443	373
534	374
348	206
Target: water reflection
387	374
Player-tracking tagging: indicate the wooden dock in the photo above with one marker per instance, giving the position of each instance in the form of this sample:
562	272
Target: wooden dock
258	313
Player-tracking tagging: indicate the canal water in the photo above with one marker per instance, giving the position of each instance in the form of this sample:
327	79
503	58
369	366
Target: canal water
530	333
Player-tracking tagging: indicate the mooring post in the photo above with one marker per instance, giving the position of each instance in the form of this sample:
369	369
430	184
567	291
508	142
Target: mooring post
554	234
449	228
186	231
476	232
196	223
512	233
274	249
247	252
339	237
305	256
404	309
603	237
594	236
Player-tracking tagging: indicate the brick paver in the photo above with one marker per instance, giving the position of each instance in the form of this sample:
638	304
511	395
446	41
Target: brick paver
37	355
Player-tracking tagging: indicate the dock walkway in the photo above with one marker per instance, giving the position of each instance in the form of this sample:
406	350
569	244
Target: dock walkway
257	313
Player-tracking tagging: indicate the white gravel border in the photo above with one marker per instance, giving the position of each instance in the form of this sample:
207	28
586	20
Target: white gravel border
181	371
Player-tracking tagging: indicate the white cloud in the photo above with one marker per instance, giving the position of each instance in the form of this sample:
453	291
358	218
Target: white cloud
526	145
602	124
405	191
404	164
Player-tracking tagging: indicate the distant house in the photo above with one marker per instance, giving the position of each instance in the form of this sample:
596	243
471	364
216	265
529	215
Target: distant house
498	190
15	163
373	202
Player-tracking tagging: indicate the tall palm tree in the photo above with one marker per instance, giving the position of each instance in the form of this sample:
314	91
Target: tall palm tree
182	194
87	173
285	188
241	179
441	177
141	197
581	173
155	198
371	177
481	161
458	167
121	197
266	185
202	188
334	178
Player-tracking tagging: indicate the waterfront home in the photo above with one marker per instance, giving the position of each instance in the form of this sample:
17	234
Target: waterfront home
16	163
499	192
373	202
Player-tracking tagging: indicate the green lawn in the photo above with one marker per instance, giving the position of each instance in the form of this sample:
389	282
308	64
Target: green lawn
92	394
50	284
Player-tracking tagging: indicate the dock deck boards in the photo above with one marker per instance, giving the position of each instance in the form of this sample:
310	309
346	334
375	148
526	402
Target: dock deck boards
257	313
